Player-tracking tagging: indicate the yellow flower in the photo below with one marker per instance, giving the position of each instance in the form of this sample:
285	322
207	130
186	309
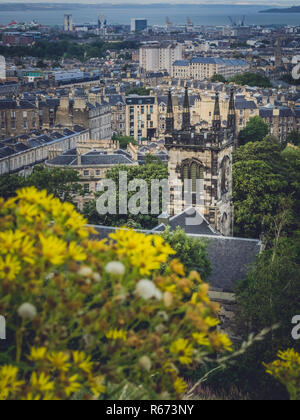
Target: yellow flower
9	383
41	382
59	361
84	363
183	350
53	249
76	252
10	267
32	397
116	335
201	339
180	386
96	385
212	322
177	267
30	212
37	354
71	386
10	241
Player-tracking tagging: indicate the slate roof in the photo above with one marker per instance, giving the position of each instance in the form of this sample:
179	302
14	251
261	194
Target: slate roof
191	221
93	158
11	104
243	104
230	257
283	112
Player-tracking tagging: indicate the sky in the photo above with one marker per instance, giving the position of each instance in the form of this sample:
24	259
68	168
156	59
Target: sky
266	3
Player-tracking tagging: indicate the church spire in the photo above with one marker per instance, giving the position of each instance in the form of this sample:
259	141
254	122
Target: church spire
231	120
186	118
217	114
170	115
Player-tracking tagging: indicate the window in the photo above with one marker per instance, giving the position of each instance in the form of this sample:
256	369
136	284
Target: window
86	173
86	188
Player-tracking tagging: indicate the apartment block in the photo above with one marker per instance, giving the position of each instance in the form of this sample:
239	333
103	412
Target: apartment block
154	58
141	117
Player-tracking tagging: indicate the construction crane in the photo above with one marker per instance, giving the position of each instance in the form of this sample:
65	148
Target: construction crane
239	23
233	22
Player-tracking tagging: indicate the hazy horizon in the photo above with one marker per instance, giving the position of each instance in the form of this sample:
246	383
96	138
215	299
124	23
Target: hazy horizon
282	3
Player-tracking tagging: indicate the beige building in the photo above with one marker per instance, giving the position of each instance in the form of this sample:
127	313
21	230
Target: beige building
84	112
160	57
202	110
141	117
206	68
91	159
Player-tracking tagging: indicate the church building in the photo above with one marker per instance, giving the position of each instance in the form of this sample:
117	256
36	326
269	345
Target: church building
200	165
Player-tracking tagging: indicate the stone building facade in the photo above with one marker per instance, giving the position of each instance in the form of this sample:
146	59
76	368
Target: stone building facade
17	117
141	117
95	117
202	163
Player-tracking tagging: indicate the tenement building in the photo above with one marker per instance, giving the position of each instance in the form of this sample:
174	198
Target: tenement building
205	68
200	165
21	153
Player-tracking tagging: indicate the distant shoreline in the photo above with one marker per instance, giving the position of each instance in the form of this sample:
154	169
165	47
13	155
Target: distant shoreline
11	7
294	9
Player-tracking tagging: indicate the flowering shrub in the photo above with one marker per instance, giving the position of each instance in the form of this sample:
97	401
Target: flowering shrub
287	371
83	314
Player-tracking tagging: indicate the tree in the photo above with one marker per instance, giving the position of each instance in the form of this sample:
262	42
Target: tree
252	79
269	296
255	130
294	138
9	184
141	91
62	183
190	251
124	140
218	78
148	172
261	183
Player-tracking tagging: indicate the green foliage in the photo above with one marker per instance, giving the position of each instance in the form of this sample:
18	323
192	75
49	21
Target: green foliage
266	181
252	79
218	78
294	138
124	141
62	183
190	251
148	172
141	91
269	296
66	48
255	130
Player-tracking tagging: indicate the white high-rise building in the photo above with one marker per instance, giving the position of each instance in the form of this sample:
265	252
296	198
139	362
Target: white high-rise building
2	68
68	23
160	57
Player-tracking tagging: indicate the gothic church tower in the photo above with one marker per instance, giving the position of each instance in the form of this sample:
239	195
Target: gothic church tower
202	161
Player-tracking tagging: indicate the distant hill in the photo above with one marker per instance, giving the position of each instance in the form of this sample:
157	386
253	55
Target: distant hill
294	9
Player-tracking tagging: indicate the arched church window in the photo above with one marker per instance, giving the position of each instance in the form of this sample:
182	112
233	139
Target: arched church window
194	177
185	172
225	172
